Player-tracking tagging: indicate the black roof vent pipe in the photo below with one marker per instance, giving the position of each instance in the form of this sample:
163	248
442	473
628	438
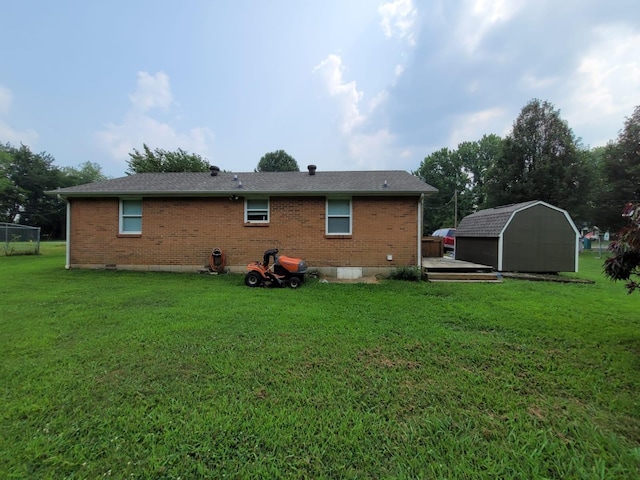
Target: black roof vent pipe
312	169
214	170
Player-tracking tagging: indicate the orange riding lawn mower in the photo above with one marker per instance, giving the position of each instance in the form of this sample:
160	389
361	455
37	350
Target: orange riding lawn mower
284	271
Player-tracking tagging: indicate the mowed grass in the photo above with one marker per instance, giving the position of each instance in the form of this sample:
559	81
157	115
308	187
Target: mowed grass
150	375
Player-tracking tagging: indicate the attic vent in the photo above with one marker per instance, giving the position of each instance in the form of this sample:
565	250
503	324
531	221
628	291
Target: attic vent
214	170
312	169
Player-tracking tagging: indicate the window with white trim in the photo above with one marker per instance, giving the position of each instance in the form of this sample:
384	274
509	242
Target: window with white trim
256	210
130	216
338	216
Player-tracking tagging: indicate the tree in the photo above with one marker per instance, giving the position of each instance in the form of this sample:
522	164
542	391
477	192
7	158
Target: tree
26	176
278	161
442	170
460	176
6	184
477	158
541	160
160	160
87	172
624	261
621	172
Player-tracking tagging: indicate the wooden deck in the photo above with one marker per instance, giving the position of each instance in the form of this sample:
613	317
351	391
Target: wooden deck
444	269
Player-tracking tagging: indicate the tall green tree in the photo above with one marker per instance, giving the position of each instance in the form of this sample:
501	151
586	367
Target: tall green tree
443	170
87	172
26	176
476	159
460	177
541	160
278	161
6	184
621	173
160	160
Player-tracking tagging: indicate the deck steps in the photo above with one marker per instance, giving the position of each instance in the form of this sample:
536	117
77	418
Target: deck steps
463	277
449	270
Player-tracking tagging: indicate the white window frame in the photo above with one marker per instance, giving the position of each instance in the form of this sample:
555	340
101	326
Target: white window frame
329	216
122	216
248	210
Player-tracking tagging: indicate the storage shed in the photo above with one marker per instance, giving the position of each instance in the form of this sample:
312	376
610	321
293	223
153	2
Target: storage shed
523	237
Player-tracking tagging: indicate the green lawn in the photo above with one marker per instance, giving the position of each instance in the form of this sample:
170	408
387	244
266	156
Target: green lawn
150	375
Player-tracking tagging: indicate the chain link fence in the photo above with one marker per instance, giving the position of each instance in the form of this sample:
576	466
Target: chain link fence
19	239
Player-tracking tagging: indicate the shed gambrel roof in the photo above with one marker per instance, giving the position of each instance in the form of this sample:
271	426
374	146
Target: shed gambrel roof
384	182
491	222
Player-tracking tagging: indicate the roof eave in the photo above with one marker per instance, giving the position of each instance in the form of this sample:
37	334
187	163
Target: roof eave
238	191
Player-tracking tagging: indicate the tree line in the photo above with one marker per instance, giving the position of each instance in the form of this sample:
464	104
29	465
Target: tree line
25	176
160	160
539	159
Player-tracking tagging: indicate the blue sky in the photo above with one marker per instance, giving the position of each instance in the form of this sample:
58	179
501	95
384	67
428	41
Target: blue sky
343	84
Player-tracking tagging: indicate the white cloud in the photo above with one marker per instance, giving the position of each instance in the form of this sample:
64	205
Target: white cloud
369	150
606	85
5	100
346	94
398	20
478	17
138	125
378	100
531	82
366	138
406	153
121	139
152	91
372	151
8	133
472	126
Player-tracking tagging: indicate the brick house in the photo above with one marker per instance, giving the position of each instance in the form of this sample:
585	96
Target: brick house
361	223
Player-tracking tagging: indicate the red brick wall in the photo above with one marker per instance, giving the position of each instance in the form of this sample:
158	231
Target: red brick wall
183	231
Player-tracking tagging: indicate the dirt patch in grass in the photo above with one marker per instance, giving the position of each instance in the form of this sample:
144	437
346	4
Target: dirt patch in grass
373	279
374	357
542	277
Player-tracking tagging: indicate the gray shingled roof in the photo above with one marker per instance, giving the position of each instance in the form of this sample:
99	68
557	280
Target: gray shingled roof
490	222
283	183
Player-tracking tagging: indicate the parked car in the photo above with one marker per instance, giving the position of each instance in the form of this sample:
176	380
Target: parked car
448	235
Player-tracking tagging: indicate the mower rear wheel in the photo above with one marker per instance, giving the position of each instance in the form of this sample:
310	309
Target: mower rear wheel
295	282
252	279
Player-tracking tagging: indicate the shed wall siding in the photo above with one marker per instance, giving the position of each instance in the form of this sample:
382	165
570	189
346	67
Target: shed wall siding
477	250
183	231
539	239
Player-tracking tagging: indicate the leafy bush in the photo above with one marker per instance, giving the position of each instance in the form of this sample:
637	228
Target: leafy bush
409	273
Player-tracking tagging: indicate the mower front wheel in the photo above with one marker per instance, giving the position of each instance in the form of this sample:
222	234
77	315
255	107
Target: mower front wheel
295	282
252	279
